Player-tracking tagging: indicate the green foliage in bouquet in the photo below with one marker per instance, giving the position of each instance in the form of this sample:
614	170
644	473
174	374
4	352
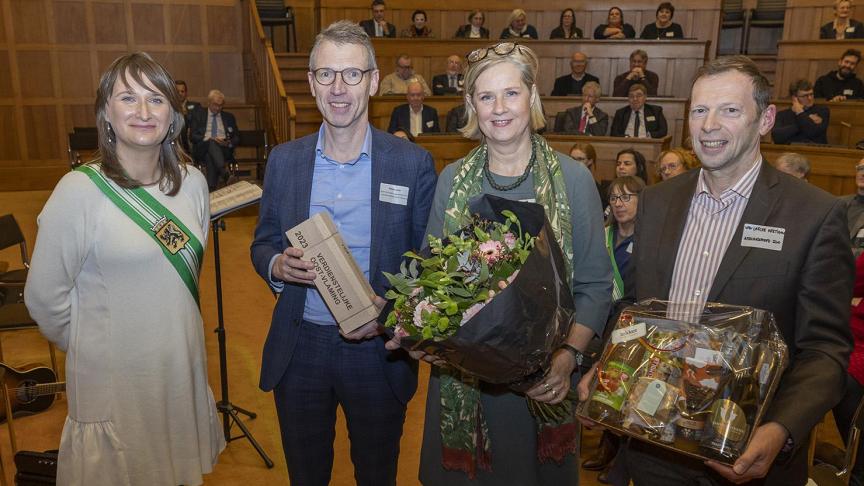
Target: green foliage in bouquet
433	296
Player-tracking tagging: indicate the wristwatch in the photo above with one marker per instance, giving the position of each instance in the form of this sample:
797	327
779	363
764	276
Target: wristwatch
577	355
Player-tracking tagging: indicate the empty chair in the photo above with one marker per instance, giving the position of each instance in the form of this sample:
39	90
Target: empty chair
12	281
768	14
274	13
252	139
82	144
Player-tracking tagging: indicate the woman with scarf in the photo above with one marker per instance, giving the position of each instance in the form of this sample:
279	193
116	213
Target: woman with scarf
518	26
482	434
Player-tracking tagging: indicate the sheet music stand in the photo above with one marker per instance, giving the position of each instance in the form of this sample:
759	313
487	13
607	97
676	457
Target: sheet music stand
230	412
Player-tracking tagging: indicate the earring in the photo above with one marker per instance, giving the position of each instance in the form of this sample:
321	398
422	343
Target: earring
171	129
110	132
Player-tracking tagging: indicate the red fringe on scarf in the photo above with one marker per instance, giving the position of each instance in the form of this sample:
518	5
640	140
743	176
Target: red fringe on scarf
556	442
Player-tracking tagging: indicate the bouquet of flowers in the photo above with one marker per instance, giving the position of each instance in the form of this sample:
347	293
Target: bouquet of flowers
491	300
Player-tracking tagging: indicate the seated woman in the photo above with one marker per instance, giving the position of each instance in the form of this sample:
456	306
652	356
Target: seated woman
586	154
674	162
474	28
614	28
630	162
566	26
843	26
418	27
663	27
518	26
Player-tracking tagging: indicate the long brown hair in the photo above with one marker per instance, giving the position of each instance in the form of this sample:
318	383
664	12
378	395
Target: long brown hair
146	72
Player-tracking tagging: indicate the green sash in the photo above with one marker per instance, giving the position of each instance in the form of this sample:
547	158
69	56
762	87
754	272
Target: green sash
617	281
178	244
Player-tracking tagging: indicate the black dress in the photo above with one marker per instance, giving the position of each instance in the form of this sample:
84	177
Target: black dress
855	30
629	31
558	33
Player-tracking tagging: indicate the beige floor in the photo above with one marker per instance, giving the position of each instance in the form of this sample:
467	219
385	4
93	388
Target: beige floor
247	304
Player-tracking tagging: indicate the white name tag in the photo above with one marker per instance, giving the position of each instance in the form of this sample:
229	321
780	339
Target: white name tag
630	247
393	194
429	125
860	233
629	333
670	34
847	92
649	118
591	119
850	29
765	237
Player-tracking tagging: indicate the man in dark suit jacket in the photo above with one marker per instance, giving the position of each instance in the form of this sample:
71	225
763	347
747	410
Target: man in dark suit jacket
455	119
425	117
384	28
449	83
573	83
387	184
693	247
189	108
587	118
638	74
639	119
804	122
214	135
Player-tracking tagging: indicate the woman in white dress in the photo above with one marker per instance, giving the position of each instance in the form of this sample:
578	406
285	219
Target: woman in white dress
114	283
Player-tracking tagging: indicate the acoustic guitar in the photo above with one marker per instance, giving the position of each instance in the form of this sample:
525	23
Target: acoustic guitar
31	389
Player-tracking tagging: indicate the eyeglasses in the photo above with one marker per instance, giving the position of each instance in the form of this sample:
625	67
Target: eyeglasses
350	76
808	94
501	49
624	198
670	167
859	168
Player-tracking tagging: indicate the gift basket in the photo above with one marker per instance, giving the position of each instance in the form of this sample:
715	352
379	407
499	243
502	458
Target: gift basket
698	385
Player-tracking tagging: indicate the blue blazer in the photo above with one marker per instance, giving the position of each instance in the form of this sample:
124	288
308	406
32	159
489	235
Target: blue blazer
395	230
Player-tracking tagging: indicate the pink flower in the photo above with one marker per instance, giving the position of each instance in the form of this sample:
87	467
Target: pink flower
490	251
510	240
471	312
423	305
400	331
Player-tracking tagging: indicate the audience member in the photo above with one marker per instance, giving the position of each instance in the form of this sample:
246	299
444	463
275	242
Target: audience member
663	27
793	164
397	81
377	26
585	119
674	162
189	108
566	26
615	28
630	162
638	73
585	153
842	84
804	122
418	26
639	119
214	135
573	83
414	115
455	119
451	81
403	133
843	26
518	26
474	28
855	208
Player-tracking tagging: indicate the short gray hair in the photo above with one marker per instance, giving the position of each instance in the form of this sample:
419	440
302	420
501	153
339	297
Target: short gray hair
796	162
593	85
344	32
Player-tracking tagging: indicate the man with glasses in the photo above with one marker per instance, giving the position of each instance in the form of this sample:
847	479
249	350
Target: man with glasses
804	122
573	83
639	119
397	82
378	190
587	118
214	134
638	74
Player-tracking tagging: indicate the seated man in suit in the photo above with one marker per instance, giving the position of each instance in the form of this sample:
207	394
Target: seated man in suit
189	107
414	115
455	119
377	26
804	122
638	73
639	119
841	84
573	83
449	83
793	164
397	81
214	135
584	119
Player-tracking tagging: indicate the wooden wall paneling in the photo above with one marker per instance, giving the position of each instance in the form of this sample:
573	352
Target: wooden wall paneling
804	18
43	137
111	31
9	147
74	74
184	24
30	21
69	17
149	25
34	68
6	89
832	169
809	59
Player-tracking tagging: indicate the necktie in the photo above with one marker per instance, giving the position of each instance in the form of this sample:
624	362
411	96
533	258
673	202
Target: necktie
379	31
452	81
583	122
213	127
636	125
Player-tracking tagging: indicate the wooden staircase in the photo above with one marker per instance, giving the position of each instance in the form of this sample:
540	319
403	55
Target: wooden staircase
293	67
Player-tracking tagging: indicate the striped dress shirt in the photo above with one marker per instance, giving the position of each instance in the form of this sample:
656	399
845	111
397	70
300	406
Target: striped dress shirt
708	231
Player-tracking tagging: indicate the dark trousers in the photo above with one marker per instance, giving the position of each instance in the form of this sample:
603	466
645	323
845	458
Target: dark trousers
214	157
325	371
843	414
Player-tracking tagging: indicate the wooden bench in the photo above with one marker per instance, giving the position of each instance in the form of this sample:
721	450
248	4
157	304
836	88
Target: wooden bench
448	148
675	62
809	59
846	125
831	168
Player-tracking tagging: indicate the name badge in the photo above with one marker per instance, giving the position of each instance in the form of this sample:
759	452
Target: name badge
630	247
670	34
850	29
591	119
860	233
650	118
430	123
391	193
765	237
848	92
